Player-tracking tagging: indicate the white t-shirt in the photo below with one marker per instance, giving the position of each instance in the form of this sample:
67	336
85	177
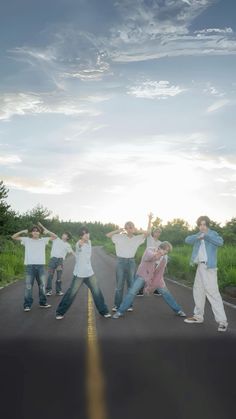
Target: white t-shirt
83	267
60	248
126	246
202	254
34	250
151	242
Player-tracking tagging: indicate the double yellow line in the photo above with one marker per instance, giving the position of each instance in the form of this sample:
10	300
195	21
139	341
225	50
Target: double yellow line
95	385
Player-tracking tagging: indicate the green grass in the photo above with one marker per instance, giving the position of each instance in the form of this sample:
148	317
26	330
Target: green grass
179	268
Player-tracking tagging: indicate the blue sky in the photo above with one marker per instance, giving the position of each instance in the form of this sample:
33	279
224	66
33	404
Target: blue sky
111	109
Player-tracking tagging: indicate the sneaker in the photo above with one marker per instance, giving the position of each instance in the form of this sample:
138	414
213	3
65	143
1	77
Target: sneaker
114	308
222	327
193	320
181	313
60	293
59	316
117	315
130	309
157	293
140	294
45	305
27	309
48	293
107	315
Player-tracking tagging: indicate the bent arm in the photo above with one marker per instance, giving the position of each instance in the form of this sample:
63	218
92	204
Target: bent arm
192	239
109	235
16	236
214	238
53	236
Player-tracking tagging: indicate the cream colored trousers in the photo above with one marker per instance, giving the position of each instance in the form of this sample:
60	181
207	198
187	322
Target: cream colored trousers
206	285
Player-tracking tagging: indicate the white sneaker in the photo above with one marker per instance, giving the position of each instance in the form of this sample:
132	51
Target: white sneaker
181	313
48	293
117	315
192	320
107	315
222	327
114	308
130	309
45	305
60	293
59	316
27	309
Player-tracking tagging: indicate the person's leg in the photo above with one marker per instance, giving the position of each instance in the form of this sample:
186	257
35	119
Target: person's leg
69	296
213	295
59	271
29	282
131	269
98	298
120	280
51	270
169	299
41	278
199	293
138	283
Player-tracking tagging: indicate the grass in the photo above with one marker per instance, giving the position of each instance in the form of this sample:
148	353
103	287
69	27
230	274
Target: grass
178	267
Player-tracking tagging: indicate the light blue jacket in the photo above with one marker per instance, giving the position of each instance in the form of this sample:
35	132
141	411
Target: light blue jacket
212	241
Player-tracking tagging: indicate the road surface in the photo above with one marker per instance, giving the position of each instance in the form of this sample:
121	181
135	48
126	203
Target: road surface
148	364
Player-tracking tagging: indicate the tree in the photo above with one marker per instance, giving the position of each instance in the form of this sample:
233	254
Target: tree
175	231
6	216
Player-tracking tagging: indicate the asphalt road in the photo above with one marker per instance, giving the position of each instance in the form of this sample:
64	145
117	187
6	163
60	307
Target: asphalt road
152	363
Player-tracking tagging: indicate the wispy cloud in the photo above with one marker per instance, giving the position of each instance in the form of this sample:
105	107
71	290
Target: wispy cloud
218	105
215	30
44	103
155	90
9	159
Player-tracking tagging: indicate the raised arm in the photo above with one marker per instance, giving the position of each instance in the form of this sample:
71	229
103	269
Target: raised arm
53	236
17	236
214	238
191	239
149	226
109	235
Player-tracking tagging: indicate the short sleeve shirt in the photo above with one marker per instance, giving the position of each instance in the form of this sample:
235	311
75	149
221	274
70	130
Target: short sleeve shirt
83	267
34	250
60	248
126	247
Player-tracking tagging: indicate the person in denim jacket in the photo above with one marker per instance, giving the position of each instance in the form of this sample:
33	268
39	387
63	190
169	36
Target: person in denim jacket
204	255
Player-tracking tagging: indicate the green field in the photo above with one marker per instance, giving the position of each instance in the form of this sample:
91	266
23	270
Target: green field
179	268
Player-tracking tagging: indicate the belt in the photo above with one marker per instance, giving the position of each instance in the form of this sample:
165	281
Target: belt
202	261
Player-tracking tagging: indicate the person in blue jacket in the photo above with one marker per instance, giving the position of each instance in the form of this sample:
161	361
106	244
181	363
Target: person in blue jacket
204	255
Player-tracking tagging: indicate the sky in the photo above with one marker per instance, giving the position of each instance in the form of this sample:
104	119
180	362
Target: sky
111	109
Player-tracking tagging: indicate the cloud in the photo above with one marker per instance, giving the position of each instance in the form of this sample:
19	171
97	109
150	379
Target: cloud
155	90
36	186
9	159
218	105
212	90
215	30
44	103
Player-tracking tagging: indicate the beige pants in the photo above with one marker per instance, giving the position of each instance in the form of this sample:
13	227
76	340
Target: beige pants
206	285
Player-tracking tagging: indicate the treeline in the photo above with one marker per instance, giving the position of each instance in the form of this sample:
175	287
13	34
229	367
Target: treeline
175	231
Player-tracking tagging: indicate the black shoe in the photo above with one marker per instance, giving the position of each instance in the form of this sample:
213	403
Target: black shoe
157	293
140	294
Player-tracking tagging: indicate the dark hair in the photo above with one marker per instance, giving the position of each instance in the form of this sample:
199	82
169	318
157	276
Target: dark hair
83	230
203	218
69	236
35	227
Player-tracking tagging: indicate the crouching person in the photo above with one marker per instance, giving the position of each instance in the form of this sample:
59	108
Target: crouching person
83	274
150	276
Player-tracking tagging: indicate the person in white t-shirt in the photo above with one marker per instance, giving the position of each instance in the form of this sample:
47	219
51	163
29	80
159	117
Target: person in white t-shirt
83	274
126	245
60	248
34	263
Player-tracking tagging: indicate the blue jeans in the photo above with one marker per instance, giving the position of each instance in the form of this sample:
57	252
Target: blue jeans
55	264
34	272
125	271
70	295
136	286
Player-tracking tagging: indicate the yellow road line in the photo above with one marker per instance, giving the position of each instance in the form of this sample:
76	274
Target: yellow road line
95	381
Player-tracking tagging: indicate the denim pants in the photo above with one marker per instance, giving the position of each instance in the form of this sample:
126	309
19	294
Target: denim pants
70	295
55	264
34	272
139	283
125	271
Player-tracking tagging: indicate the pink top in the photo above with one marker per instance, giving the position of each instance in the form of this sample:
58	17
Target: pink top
152	274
